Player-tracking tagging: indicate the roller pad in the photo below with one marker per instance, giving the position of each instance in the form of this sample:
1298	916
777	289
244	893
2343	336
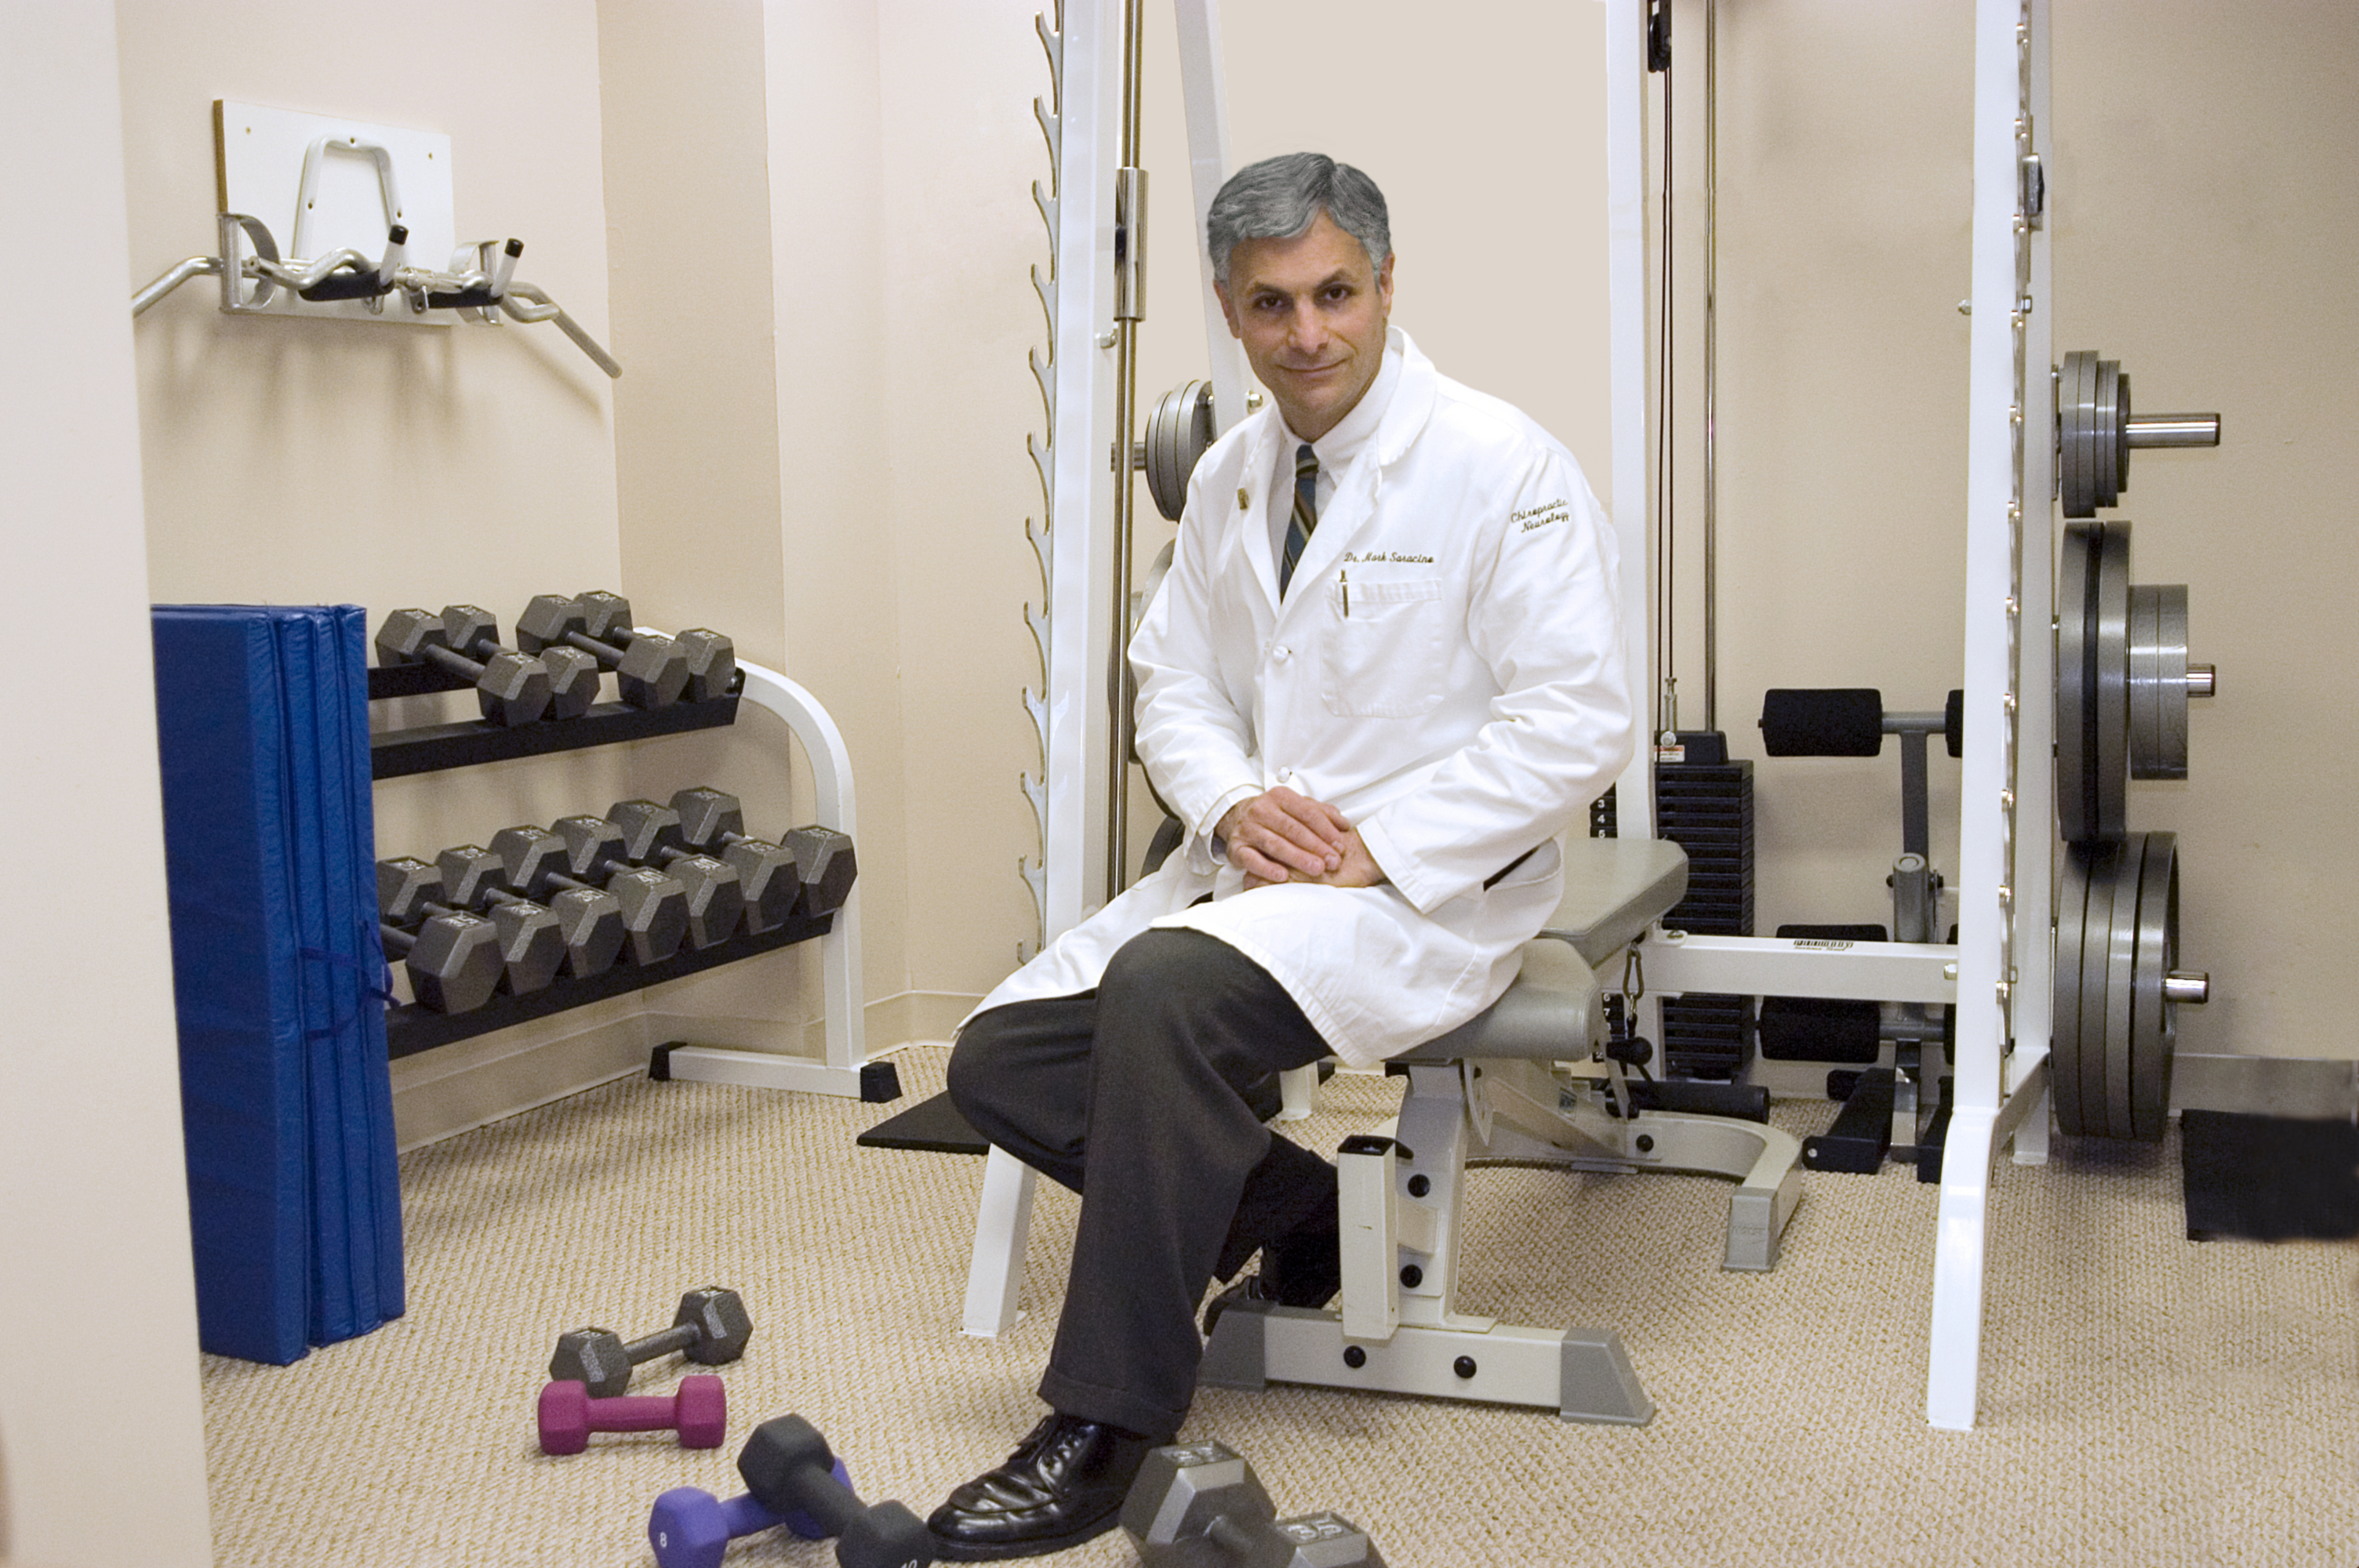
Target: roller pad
1836	721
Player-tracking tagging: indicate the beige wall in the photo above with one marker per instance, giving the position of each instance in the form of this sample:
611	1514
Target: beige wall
2206	218
98	1334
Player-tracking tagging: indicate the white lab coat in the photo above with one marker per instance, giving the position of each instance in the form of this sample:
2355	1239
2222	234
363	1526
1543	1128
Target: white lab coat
1446	670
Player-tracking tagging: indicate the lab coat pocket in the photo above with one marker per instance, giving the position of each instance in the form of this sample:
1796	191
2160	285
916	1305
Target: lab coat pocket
1386	653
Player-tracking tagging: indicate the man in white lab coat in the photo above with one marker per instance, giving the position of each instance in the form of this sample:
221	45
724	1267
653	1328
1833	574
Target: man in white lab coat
1384	672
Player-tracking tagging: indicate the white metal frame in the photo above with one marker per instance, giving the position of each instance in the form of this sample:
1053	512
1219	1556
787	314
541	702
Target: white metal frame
2004	943
839	1071
1086	59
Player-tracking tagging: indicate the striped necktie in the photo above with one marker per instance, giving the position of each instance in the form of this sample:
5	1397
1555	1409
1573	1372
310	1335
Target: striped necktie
1305	520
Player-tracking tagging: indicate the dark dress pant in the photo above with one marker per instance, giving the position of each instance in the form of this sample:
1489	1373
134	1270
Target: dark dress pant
1135	1096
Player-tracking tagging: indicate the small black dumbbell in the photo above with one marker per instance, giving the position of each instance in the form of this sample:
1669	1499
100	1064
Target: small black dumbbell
711	1329
531	942
712	657
716	895
589	920
710	820
453	960
655	907
789	1470
510	688
572	673
1198	1505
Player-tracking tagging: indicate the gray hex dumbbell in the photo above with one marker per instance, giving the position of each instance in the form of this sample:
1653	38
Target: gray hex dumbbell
712	657
511	688
539	862
716	897
589	919
824	857
710	820
829	868
1198	1506
531	942
453	960
572	673
653	672
711	1329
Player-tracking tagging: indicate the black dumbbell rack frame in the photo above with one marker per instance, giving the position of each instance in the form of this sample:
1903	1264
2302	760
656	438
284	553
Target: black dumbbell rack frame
409	1029
431	748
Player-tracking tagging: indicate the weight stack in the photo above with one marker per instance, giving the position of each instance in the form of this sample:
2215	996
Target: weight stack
1706	808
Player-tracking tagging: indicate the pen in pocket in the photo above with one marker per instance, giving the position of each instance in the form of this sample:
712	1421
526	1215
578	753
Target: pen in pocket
1346	578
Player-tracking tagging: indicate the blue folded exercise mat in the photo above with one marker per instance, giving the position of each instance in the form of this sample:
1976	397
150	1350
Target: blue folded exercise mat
294	1201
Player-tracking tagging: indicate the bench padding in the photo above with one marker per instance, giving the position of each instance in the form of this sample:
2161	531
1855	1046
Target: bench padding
1613	889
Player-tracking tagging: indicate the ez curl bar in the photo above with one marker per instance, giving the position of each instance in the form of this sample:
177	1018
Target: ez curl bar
479	282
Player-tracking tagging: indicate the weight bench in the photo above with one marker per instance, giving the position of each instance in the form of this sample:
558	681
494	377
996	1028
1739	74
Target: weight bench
1527	1080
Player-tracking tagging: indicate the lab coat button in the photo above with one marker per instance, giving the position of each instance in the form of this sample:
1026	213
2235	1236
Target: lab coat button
1281	653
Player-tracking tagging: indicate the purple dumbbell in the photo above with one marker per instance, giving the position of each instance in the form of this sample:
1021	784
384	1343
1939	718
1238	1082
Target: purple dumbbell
699	1412
691	1527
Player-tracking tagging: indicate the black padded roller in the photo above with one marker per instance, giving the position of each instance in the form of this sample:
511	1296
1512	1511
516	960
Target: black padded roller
1822	1029
1841	721
1953	723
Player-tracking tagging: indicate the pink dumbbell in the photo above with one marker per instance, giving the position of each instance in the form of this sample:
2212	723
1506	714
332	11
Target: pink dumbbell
699	1412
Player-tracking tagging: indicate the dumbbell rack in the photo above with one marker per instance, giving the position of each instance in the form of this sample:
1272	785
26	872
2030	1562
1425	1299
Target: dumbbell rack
846	1069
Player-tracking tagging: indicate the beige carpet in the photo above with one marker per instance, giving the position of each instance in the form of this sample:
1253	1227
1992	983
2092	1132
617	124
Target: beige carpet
2146	1400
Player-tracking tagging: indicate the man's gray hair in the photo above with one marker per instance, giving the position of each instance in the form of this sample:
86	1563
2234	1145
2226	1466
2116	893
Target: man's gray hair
1281	198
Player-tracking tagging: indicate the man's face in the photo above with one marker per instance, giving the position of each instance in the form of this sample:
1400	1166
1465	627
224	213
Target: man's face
1310	312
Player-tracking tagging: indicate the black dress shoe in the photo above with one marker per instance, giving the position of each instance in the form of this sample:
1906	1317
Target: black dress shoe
1304	1268
1062	1486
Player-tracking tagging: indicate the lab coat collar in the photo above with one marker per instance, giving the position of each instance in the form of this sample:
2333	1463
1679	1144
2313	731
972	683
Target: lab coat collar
1414	393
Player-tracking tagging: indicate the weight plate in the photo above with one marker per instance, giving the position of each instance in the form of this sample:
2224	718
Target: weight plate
2113	1030
2121	868
2097	862
2064	1010
2093	680
2105	434
2076	397
2121	432
2154	1029
2157	678
1176	434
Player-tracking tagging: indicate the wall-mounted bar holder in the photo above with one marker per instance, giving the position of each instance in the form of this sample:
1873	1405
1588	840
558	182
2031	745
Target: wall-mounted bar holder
479	285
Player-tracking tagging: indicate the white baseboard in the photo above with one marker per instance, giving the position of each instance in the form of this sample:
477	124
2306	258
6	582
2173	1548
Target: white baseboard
457	1088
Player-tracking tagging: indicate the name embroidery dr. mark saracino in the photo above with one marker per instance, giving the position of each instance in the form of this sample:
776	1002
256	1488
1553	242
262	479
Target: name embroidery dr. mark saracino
1540	516
1353	557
